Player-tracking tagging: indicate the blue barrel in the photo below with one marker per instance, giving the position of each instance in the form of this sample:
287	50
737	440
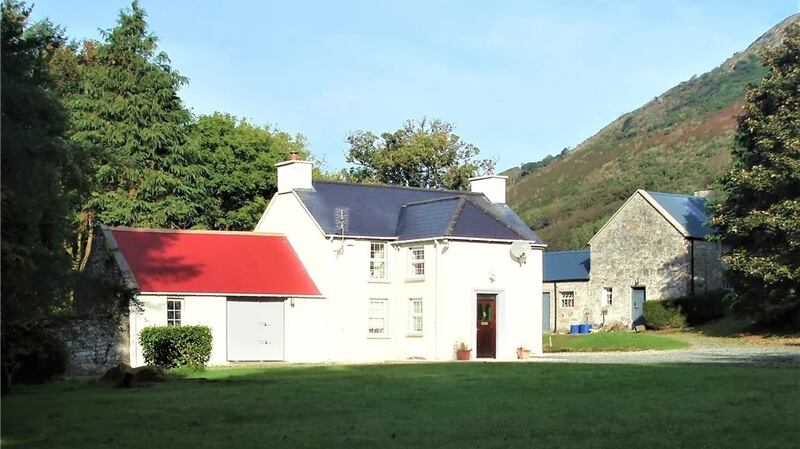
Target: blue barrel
574	329
585	328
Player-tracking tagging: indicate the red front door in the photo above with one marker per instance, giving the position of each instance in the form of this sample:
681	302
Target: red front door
487	322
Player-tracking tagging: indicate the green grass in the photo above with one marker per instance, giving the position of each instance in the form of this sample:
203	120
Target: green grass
611	341
448	405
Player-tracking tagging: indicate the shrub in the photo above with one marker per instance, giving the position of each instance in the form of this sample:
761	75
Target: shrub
663	315
32	352
704	307
174	346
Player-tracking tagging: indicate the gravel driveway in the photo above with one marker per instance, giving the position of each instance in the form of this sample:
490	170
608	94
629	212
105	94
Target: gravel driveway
703	350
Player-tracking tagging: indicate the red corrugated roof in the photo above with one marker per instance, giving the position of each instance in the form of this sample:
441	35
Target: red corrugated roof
233	263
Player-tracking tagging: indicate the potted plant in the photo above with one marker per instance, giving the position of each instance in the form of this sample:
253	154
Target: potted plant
523	352
462	351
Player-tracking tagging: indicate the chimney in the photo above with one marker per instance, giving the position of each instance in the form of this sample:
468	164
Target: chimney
493	186
294	174
709	194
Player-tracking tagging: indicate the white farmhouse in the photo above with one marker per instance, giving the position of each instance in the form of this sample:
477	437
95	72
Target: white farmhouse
347	272
406	273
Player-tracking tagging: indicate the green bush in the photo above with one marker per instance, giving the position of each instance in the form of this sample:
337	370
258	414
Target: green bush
174	346
663	315
704	307
32	351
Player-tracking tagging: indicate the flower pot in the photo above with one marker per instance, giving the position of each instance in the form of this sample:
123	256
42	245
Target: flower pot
463	354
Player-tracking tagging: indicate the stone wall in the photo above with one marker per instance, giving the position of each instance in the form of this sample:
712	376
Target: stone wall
638	247
708	269
94	345
561	317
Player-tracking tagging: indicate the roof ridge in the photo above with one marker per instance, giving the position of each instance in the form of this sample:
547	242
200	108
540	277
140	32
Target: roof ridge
451	224
433	200
393	186
194	231
686	195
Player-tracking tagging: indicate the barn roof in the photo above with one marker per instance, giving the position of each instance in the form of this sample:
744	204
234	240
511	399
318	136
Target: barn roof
212	262
688	210
404	213
561	266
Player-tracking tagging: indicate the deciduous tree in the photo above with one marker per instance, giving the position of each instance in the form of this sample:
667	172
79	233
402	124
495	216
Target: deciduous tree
422	153
759	217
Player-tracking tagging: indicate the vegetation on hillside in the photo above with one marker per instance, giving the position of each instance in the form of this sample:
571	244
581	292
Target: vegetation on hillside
759	215
678	142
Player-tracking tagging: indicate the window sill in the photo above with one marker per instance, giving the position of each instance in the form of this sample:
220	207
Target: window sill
378	281
414	335
378	337
422	279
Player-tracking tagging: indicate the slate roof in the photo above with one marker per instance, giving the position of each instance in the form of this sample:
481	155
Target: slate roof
404	213
688	210
561	266
212	262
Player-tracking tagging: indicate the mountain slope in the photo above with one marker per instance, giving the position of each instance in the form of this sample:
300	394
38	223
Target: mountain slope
678	142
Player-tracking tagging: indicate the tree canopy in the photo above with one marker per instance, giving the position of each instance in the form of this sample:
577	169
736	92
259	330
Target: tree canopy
239	159
35	221
128	116
759	217
423	153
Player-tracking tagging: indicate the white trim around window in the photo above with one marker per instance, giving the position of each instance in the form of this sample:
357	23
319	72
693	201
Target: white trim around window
416	262
174	311
415	309
378	318
607	297
377	261
567	299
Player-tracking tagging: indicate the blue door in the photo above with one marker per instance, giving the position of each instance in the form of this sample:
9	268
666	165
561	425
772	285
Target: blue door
546	311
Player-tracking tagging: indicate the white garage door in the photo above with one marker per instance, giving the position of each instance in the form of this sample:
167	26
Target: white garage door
255	330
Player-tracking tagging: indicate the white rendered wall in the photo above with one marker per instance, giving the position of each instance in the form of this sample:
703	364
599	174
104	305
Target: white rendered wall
470	268
205	310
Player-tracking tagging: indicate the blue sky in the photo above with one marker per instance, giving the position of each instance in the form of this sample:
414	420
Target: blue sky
518	79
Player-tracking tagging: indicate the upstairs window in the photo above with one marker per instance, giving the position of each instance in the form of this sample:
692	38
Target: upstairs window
377	317
416	256
377	260
174	310
567	299
415	316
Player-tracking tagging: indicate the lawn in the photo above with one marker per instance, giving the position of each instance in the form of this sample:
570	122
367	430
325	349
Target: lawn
438	405
610	341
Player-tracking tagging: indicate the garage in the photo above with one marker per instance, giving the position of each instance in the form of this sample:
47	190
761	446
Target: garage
255	329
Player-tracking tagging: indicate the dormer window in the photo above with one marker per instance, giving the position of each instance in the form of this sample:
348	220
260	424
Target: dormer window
377	260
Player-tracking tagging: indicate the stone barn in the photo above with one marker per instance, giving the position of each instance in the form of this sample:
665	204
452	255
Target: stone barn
653	247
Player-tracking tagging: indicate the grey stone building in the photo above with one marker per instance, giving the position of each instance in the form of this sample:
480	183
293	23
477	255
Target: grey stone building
653	247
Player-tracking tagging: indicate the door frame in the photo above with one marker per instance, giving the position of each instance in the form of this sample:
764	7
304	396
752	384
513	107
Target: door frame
546	327
282	300
634	288
499	312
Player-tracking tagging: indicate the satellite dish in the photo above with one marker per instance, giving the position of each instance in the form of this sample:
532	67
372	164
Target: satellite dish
520	250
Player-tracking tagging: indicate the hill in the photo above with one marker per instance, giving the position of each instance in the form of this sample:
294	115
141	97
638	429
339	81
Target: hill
678	142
